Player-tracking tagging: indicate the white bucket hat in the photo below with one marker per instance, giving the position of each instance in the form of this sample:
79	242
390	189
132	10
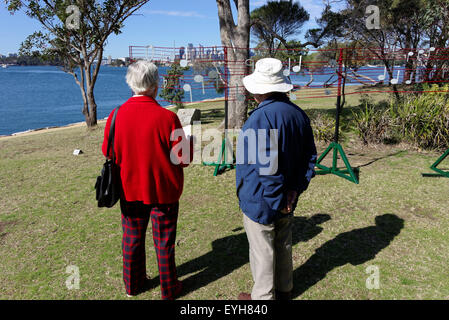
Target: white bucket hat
267	77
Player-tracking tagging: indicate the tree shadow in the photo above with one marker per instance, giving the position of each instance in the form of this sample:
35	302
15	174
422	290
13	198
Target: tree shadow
380	158
355	247
231	252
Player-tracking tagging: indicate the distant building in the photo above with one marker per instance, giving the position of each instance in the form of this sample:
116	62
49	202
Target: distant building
12	55
125	61
201	52
182	51
215	53
105	62
190	52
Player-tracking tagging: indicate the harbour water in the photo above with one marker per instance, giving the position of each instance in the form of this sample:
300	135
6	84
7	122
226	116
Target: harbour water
35	97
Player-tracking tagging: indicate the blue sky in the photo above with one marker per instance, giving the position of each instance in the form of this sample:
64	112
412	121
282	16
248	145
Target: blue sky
160	23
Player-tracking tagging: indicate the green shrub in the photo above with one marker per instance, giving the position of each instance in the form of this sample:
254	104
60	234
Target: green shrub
252	104
323	127
421	119
374	125
172	90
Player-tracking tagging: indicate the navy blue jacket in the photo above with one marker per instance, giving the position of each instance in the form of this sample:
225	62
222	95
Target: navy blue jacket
262	185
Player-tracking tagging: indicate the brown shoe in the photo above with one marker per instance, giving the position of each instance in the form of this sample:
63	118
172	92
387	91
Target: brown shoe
244	296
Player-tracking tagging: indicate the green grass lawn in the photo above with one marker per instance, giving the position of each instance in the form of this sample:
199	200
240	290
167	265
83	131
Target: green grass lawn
49	220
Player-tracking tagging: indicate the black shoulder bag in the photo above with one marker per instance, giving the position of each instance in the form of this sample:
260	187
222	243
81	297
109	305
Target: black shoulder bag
108	184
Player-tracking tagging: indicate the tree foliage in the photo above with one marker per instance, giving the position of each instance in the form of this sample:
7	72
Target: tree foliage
172	90
76	32
277	20
276	24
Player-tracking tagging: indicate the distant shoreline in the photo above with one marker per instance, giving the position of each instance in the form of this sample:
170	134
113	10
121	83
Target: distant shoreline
46	129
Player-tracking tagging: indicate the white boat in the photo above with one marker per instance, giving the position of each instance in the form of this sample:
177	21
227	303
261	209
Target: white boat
4	66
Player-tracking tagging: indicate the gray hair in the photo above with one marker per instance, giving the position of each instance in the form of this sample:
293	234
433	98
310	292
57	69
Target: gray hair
141	76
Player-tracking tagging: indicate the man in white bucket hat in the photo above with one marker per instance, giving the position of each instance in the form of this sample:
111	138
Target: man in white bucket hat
268	191
268	77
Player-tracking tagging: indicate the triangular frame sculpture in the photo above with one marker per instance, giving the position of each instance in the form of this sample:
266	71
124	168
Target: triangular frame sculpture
349	173
221	163
434	167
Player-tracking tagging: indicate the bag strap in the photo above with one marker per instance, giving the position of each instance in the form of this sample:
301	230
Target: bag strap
111	135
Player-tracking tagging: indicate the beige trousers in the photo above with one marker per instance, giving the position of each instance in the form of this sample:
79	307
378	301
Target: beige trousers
270	256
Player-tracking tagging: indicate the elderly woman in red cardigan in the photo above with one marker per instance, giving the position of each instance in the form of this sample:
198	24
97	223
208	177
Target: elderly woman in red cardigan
151	171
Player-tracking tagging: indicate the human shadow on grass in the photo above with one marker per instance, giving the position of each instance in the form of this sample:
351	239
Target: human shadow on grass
355	247
231	252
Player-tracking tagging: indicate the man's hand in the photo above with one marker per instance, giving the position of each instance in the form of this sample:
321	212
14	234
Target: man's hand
291	198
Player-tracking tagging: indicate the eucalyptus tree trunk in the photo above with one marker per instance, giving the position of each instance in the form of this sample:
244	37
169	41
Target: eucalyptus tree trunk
89	76
236	38
90	110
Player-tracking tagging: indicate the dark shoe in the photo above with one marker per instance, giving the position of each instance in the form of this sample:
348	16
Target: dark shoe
244	296
176	293
147	285
178	290
279	295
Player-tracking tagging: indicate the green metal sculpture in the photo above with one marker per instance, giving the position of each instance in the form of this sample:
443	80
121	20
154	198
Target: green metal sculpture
348	172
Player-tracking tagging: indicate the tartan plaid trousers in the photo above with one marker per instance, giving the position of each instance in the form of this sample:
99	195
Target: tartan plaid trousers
135	219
